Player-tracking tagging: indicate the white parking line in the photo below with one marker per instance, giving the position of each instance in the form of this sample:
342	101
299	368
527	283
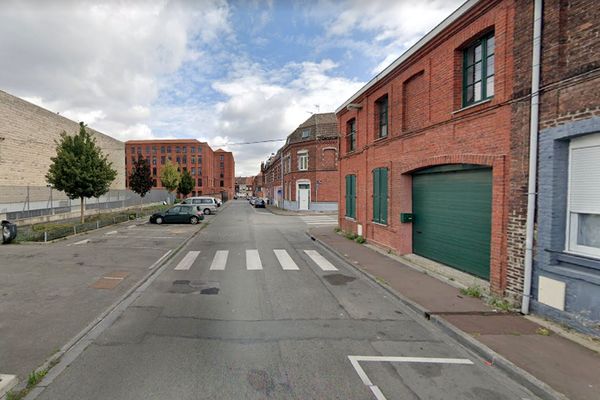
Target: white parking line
354	360
84	241
320	260
285	260
187	261
111	233
253	260
220	260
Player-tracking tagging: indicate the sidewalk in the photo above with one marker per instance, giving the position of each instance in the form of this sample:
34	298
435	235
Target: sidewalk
507	340
280	211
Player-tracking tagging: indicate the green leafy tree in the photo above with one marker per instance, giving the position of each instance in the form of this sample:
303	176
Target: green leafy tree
79	168
140	180
186	184
169	176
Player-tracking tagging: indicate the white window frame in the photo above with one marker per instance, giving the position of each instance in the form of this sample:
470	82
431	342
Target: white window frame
303	160
572	221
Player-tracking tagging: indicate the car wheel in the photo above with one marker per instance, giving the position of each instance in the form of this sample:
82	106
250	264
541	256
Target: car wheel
159	220
207	211
194	220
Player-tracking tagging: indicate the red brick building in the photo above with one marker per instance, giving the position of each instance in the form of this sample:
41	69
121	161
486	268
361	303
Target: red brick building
187	154
308	165
224	170
429	162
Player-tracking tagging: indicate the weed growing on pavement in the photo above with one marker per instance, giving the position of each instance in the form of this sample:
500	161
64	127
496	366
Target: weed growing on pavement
543	331
472	291
500	304
350	235
337	229
35	377
360	240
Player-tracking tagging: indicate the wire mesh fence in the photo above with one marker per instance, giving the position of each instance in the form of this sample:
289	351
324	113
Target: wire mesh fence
23	202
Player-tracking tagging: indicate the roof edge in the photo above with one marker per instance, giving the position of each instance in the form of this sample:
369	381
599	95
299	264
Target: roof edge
460	11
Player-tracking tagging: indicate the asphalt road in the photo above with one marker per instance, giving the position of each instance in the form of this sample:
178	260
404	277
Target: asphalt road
230	318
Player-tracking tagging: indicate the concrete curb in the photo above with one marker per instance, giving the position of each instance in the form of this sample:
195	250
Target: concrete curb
59	361
514	372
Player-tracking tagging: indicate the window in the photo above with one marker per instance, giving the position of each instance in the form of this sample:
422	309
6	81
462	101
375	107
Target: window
380	195
193	159
222	183
184	159
193	171
153	149
178	159
478	71
305	133
583	209
162	159
199	180
147	149
221	157
199	149
199	159
192	149
162	149
177	149
351	196
381	106
139	149
184	149
153	160
168	149
351	134
303	160
154	171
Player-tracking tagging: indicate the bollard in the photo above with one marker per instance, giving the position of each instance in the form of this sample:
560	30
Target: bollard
98	224
45	236
74	229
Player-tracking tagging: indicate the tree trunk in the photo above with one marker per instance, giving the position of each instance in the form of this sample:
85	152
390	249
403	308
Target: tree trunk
141	200
82	217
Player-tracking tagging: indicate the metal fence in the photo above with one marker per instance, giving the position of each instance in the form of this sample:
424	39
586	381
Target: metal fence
23	202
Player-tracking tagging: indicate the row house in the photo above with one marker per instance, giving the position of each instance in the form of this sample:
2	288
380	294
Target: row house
435	151
307	167
190	155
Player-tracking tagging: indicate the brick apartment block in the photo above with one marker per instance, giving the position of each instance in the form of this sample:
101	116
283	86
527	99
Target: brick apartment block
308	164
213	171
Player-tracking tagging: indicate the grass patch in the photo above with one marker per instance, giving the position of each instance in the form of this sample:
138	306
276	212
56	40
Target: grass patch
360	240
500	304
33	379
337	229
542	331
472	291
350	235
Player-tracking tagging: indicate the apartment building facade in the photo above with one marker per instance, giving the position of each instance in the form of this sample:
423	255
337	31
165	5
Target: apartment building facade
303	174
224	173
203	164
429	164
566	273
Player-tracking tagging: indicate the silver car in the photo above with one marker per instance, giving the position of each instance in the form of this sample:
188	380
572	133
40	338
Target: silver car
208	205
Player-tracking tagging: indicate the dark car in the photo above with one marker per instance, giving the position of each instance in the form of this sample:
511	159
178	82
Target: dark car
182	214
259	203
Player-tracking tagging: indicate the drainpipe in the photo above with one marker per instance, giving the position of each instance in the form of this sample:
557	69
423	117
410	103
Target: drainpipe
533	145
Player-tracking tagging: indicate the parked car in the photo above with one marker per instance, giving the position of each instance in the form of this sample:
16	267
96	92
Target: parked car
181	213
259	203
9	231
208	205
252	200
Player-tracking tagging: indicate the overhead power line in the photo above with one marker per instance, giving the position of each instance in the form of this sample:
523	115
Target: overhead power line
258	141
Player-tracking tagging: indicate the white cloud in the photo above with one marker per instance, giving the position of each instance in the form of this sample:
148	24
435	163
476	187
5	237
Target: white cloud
101	62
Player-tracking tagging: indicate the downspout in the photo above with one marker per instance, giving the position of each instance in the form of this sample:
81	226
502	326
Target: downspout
533	147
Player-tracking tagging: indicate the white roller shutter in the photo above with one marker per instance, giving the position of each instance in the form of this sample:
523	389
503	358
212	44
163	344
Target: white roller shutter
584	179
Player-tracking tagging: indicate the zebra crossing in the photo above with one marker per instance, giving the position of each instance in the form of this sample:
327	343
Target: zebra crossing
254	261
319	219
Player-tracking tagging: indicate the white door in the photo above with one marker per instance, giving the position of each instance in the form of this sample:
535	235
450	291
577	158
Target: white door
303	195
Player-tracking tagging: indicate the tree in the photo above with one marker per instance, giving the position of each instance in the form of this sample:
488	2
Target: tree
169	176
140	180
79	168
186	184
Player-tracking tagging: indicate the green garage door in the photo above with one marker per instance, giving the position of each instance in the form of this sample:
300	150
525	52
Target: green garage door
452	205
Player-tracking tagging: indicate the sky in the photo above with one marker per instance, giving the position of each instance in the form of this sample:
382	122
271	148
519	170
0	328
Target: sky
217	71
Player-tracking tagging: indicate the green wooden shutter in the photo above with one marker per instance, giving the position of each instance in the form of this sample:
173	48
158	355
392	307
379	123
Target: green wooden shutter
353	200
383	195
348	192
376	209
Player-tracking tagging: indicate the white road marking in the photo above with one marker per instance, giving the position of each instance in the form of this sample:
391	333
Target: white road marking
320	260
131	226
220	260
111	233
321	223
84	241
157	262
285	260
354	360
253	260
187	261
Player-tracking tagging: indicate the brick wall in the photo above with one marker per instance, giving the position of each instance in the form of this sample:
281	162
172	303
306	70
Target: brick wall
27	142
431	128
